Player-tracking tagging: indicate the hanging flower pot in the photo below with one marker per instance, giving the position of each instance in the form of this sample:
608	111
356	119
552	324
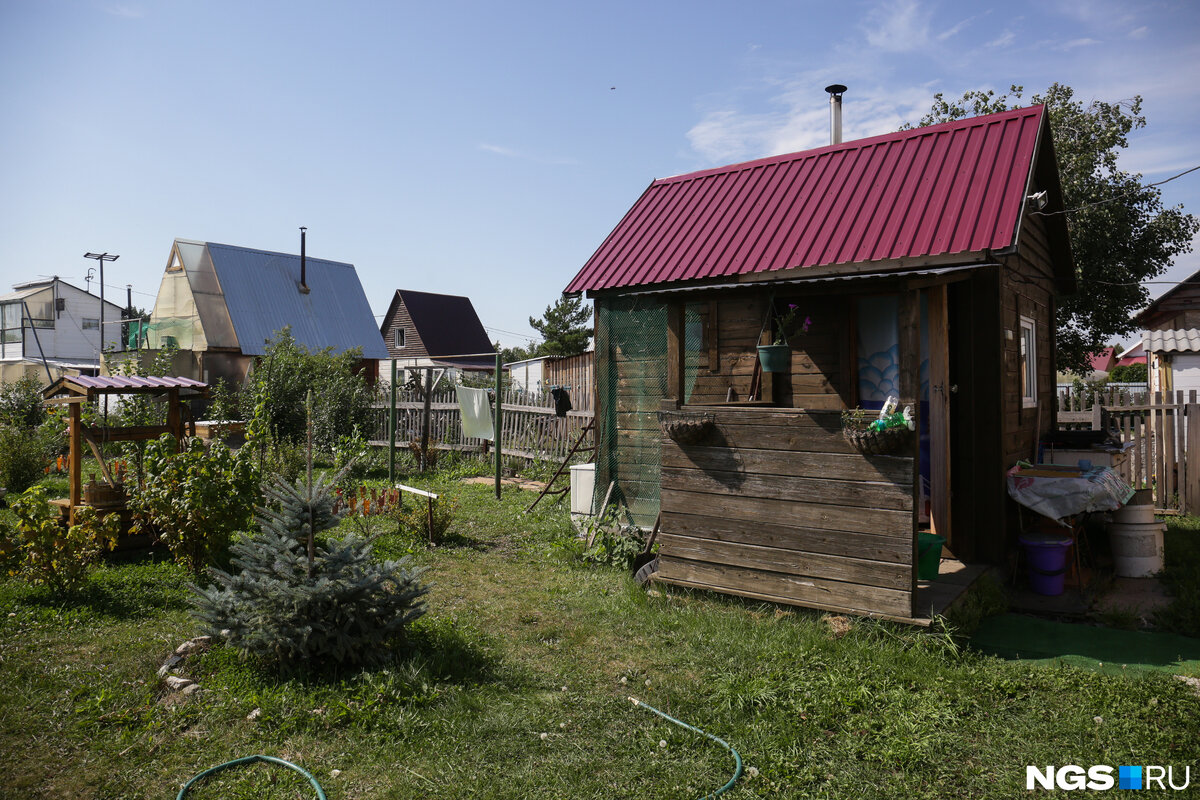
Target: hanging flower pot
775	357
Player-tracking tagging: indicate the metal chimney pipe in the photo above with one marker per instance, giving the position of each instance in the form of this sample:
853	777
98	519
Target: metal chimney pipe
303	262
835	112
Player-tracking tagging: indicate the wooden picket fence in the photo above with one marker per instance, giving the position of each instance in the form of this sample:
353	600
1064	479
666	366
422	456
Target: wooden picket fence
529	427
1165	431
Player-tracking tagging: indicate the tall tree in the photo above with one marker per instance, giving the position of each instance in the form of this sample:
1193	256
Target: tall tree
565	328
1121	235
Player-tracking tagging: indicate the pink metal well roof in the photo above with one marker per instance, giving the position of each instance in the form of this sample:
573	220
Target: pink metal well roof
953	188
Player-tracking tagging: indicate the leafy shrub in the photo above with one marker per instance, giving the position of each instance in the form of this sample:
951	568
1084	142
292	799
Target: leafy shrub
24	455
47	553
194	499
275	393
299	601
1128	373
606	543
354	458
414	518
21	403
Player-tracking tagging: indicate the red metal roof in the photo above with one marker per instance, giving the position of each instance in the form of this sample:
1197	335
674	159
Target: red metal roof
117	384
953	188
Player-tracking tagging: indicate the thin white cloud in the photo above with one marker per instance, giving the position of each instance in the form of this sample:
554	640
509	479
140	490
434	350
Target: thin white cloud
128	12
508	152
1074	43
1139	33
799	120
954	31
899	26
1003	40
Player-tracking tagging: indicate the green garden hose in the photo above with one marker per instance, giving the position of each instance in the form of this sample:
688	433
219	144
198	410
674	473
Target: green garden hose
250	760
737	759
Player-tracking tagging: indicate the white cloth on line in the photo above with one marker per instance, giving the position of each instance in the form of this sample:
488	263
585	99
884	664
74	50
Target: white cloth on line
476	413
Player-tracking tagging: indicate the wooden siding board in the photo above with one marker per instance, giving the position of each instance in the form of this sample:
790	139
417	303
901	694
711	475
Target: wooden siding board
862	546
794	589
754	509
789	561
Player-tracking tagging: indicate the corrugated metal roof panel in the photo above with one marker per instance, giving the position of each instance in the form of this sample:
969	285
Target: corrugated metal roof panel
262	293
946	189
1173	341
118	384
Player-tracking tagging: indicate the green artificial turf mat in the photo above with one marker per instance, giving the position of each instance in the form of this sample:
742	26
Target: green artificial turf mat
1107	650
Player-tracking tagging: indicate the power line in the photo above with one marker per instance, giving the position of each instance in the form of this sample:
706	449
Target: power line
1114	199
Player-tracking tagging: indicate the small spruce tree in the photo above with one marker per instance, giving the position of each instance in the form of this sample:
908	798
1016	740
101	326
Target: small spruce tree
298	601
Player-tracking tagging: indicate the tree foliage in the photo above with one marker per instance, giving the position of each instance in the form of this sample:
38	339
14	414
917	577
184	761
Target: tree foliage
565	328
1121	235
275	393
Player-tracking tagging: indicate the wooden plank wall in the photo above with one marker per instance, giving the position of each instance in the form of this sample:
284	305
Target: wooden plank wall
821	374
1026	290
775	505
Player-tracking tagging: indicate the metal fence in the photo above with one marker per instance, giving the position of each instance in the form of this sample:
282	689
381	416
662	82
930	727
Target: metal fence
530	429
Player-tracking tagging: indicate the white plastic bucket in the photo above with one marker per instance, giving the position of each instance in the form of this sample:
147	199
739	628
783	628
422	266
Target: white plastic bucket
1137	548
1134	514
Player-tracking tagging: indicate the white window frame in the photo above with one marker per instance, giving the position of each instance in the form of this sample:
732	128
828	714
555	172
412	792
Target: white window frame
1027	361
398	338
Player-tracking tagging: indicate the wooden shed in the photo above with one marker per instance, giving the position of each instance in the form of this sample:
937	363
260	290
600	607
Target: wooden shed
926	264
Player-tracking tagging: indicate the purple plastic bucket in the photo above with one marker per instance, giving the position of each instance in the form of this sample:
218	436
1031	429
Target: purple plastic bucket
1046	555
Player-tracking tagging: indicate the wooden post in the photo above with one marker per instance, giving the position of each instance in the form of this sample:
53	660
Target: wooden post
675	352
76	457
425	412
499	438
909	336
1192	495
939	414
174	418
392	428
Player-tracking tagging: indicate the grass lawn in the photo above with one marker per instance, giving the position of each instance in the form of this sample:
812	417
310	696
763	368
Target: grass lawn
515	685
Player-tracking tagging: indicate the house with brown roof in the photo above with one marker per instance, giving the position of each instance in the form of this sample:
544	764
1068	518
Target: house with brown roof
423	329
921	265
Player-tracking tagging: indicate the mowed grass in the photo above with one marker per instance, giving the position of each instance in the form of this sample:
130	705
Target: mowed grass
515	685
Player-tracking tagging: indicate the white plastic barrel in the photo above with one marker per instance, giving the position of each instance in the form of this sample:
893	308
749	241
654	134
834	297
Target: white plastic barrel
1134	514
1137	547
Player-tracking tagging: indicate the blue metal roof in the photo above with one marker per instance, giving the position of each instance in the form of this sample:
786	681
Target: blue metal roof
262	293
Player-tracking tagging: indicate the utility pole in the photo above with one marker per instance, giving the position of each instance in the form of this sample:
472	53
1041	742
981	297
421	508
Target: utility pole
101	257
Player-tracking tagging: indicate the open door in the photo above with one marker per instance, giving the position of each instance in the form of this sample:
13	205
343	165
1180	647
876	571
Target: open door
940	392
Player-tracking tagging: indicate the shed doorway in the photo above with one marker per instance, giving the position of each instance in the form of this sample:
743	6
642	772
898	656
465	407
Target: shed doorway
877	340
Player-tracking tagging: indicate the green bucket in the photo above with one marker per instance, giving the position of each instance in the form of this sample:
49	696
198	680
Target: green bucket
929	555
775	357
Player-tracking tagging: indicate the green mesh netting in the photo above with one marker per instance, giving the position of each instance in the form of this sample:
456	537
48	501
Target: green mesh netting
631	381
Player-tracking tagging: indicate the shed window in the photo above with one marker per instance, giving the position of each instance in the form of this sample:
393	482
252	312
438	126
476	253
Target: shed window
398	337
1028	362
91	324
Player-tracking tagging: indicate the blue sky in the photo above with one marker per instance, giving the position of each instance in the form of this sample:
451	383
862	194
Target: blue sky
487	148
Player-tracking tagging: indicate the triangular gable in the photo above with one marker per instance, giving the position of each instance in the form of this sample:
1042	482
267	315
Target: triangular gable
938	192
446	324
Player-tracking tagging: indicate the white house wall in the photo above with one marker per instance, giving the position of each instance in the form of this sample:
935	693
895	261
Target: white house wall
67	340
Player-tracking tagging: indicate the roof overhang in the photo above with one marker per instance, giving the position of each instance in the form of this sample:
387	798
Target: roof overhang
91	386
926	275
1178	340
